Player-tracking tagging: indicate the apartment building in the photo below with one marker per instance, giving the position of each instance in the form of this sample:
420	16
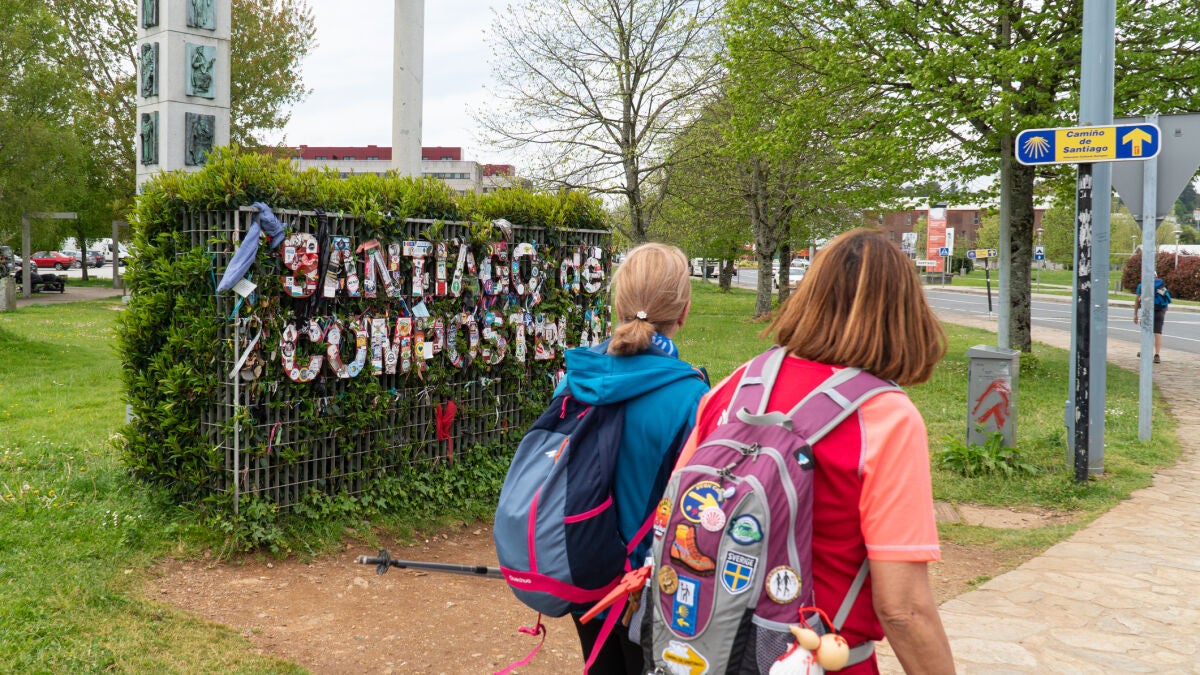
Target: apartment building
444	163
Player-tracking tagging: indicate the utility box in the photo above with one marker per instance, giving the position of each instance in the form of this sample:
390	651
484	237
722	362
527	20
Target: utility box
992	393
8	294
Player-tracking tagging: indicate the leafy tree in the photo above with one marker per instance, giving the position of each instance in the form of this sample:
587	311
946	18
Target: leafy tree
957	79
1058	234
988	235
68	82
702	208
807	163
38	151
1185	206
270	40
598	88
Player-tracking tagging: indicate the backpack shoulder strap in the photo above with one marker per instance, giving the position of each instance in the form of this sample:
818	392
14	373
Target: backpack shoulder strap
823	408
834	400
754	389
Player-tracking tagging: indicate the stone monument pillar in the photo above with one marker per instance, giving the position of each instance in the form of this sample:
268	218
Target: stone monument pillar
407	77
183	83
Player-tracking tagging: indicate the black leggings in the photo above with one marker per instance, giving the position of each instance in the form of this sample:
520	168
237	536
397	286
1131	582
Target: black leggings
618	656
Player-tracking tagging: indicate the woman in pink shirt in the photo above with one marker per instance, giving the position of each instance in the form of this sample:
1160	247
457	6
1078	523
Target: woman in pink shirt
862	305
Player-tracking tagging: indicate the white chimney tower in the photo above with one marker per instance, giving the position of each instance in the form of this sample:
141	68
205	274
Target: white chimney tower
407	76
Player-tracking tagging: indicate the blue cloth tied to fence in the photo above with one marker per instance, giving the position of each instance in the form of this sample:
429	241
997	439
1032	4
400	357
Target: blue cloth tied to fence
243	257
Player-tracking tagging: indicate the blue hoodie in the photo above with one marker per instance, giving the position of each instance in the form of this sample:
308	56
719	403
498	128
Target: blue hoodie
661	394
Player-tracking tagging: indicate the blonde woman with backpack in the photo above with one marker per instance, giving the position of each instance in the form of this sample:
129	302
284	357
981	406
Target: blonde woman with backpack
642	368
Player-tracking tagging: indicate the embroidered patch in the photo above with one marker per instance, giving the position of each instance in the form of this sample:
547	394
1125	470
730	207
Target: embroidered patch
686	551
738	571
668	579
712	519
783	584
702	495
681	654
805	458
683	606
661	516
745	530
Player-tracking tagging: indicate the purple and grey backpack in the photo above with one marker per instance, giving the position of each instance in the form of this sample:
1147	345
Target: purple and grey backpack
733	533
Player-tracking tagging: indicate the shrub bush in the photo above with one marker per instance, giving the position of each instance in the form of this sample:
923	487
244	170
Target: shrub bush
963	265
991	458
1183	281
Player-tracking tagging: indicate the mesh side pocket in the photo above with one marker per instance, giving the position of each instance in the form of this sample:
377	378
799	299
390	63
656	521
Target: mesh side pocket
769	646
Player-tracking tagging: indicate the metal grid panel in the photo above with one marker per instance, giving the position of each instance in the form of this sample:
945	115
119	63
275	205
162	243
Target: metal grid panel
271	456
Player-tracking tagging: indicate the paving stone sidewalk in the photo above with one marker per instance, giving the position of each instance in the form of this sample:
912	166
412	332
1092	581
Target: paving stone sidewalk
1121	595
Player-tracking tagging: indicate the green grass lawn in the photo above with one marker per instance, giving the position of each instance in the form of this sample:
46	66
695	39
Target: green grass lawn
78	537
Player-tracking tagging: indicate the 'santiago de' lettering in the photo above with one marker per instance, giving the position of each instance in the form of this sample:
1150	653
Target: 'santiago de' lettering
506	284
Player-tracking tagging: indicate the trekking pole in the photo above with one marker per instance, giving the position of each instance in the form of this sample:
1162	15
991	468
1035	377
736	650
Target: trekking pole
383	561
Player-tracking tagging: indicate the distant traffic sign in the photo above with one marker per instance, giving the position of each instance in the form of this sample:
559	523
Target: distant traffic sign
926	263
944	252
977	253
1071	145
1039	252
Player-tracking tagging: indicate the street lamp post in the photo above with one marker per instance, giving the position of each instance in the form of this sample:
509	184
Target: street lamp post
1177	233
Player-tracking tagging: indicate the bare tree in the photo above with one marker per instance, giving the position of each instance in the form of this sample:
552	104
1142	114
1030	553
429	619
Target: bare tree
598	88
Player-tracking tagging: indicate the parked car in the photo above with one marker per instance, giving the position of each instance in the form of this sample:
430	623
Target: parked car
702	265
108	256
93	258
795	272
56	259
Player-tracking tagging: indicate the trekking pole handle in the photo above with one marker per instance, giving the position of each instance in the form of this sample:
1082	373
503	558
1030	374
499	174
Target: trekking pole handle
382	562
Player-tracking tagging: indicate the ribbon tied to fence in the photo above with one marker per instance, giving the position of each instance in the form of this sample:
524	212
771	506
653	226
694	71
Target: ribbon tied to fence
444	413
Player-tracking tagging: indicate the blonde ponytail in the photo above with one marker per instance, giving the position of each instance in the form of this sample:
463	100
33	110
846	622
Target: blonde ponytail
651	292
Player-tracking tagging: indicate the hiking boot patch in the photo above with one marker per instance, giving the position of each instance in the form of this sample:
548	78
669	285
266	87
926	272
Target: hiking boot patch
685	551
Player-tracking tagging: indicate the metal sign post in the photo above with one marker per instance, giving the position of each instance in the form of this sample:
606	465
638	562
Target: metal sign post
1146	320
1039	256
985	254
1083	317
1149	190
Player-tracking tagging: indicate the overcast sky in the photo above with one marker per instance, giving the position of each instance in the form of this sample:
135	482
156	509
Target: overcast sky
350	75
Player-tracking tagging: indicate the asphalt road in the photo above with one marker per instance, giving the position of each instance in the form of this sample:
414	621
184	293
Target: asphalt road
1181	330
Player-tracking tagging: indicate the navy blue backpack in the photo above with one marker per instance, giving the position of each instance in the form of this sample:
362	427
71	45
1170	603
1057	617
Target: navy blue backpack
556	532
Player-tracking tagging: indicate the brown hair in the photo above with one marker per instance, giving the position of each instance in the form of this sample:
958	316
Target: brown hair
653	281
861	304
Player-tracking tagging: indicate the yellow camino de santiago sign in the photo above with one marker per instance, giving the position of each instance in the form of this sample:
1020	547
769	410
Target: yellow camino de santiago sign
1073	145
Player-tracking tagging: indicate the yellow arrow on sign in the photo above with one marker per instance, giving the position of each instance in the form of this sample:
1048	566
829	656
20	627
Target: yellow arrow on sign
1136	138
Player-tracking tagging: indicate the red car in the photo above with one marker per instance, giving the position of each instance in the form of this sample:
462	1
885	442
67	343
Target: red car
55	259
